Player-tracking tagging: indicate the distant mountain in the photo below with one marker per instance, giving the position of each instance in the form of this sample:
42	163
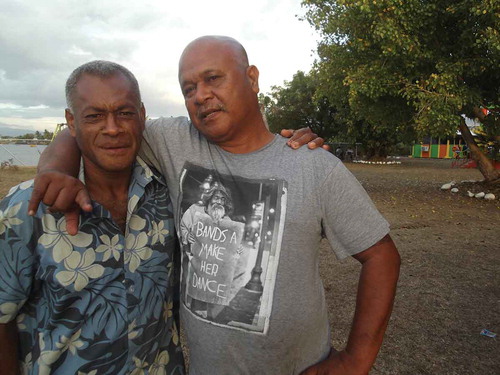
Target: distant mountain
6	131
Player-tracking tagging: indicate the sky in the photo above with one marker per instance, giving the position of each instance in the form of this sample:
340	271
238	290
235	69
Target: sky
41	42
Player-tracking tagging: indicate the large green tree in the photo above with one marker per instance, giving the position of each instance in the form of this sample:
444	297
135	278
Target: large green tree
424	62
296	104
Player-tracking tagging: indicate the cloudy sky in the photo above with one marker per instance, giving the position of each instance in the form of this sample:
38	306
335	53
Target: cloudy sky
41	42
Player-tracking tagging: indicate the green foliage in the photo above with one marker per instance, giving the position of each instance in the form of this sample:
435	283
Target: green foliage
411	63
38	135
488	135
296	105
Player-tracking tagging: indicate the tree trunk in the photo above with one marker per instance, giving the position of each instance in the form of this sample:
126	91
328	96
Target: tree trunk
484	164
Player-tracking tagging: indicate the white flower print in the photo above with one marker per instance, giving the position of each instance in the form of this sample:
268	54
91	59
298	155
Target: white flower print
148	173
8	310
20	322
139	367
132	332
135	222
46	358
22	186
80	269
70	343
26	366
56	237
8	219
158	366
158	232
110	247
136	250
167	309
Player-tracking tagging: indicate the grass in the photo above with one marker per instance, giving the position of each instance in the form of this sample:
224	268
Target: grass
10	177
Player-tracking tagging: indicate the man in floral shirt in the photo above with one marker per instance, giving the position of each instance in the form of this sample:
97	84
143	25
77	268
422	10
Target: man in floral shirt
99	302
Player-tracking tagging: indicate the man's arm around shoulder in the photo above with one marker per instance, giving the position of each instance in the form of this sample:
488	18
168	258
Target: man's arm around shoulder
57	184
376	290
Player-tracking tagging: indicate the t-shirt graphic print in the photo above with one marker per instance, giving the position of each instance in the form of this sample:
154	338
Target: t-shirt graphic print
230	229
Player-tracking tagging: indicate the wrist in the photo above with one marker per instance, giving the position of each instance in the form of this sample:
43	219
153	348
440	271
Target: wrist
353	364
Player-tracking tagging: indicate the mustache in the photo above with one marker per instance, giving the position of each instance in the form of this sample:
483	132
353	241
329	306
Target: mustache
205	110
216	211
217	206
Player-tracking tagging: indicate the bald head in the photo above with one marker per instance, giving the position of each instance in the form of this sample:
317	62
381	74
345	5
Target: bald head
220	92
216	44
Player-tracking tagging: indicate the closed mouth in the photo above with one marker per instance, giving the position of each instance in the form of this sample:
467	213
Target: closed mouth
115	148
203	113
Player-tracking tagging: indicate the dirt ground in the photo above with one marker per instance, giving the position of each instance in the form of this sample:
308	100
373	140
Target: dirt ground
449	288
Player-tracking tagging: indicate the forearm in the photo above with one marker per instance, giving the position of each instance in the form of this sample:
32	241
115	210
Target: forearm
62	155
376	291
8	349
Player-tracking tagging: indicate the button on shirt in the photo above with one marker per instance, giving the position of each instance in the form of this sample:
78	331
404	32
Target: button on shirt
99	302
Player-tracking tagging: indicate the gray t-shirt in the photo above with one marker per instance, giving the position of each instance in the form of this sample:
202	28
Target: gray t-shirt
252	300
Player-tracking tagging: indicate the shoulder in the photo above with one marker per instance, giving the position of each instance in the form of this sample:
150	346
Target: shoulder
319	162
170	131
168	124
14	210
18	194
147	172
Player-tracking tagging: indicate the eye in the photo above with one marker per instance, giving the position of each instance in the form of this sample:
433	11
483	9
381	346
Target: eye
213	77
93	116
126	114
188	91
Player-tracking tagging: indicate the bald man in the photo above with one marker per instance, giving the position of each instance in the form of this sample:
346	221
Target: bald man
273	320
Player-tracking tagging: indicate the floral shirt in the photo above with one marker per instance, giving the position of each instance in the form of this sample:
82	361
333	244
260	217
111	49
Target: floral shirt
99	302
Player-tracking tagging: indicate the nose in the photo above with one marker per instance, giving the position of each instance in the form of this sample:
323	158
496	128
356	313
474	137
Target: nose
111	126
203	93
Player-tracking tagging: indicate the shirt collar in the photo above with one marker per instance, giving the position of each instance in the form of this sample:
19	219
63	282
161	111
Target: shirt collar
141	176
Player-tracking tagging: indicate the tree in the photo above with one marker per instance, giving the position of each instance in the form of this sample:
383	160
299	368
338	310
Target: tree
47	134
427	61
296	105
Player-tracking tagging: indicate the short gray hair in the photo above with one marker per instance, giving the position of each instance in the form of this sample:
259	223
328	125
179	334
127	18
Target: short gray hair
101	69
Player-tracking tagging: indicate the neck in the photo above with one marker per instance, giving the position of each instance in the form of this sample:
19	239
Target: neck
110	189
106	186
254	138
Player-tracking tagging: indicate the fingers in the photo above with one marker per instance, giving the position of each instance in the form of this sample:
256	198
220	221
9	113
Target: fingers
83	200
300	139
287	133
72	221
39	188
316	143
61	193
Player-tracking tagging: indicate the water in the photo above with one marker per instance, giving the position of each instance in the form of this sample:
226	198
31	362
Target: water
22	154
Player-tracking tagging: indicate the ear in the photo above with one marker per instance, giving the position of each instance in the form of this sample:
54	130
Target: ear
253	77
70	120
143	110
143	115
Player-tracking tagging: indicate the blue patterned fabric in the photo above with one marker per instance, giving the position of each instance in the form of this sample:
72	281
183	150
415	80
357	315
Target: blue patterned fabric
99	302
